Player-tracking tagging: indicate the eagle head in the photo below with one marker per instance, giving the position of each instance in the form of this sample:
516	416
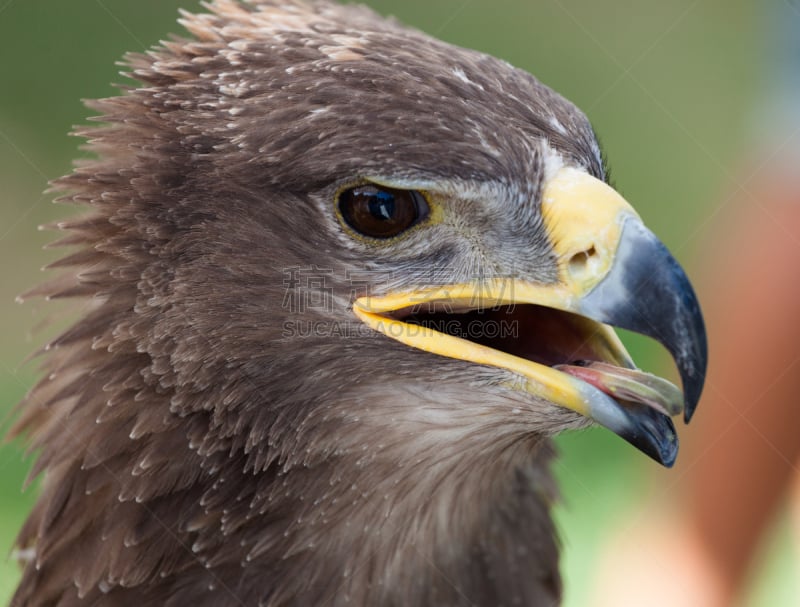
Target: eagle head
344	281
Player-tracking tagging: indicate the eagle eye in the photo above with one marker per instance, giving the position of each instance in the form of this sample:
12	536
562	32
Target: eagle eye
381	212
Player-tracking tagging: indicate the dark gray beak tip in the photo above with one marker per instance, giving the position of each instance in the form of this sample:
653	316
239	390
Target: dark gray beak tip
651	432
648	292
693	383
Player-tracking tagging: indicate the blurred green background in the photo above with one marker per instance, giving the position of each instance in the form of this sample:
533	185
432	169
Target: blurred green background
669	86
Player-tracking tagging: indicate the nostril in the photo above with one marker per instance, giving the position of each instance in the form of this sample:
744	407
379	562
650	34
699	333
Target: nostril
579	261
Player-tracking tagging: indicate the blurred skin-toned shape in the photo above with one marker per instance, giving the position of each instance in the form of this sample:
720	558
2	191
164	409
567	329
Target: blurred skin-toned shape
739	477
738	467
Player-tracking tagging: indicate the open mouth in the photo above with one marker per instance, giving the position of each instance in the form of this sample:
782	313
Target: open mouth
561	357
564	341
533	336
541	335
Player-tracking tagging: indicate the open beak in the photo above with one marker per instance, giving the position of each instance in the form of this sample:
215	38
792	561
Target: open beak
612	271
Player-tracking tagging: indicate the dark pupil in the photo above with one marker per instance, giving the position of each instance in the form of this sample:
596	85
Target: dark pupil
381	212
381	206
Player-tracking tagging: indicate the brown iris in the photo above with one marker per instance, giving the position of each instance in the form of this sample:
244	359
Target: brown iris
381	212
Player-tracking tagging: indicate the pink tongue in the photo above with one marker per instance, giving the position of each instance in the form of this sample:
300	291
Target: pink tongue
629	384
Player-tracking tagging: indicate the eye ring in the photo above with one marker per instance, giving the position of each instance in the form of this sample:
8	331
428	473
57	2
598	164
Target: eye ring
381	212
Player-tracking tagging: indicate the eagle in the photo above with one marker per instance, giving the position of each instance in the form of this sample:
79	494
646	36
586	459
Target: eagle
343	282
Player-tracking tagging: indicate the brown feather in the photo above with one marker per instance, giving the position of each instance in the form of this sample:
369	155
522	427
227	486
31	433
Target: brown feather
191	453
